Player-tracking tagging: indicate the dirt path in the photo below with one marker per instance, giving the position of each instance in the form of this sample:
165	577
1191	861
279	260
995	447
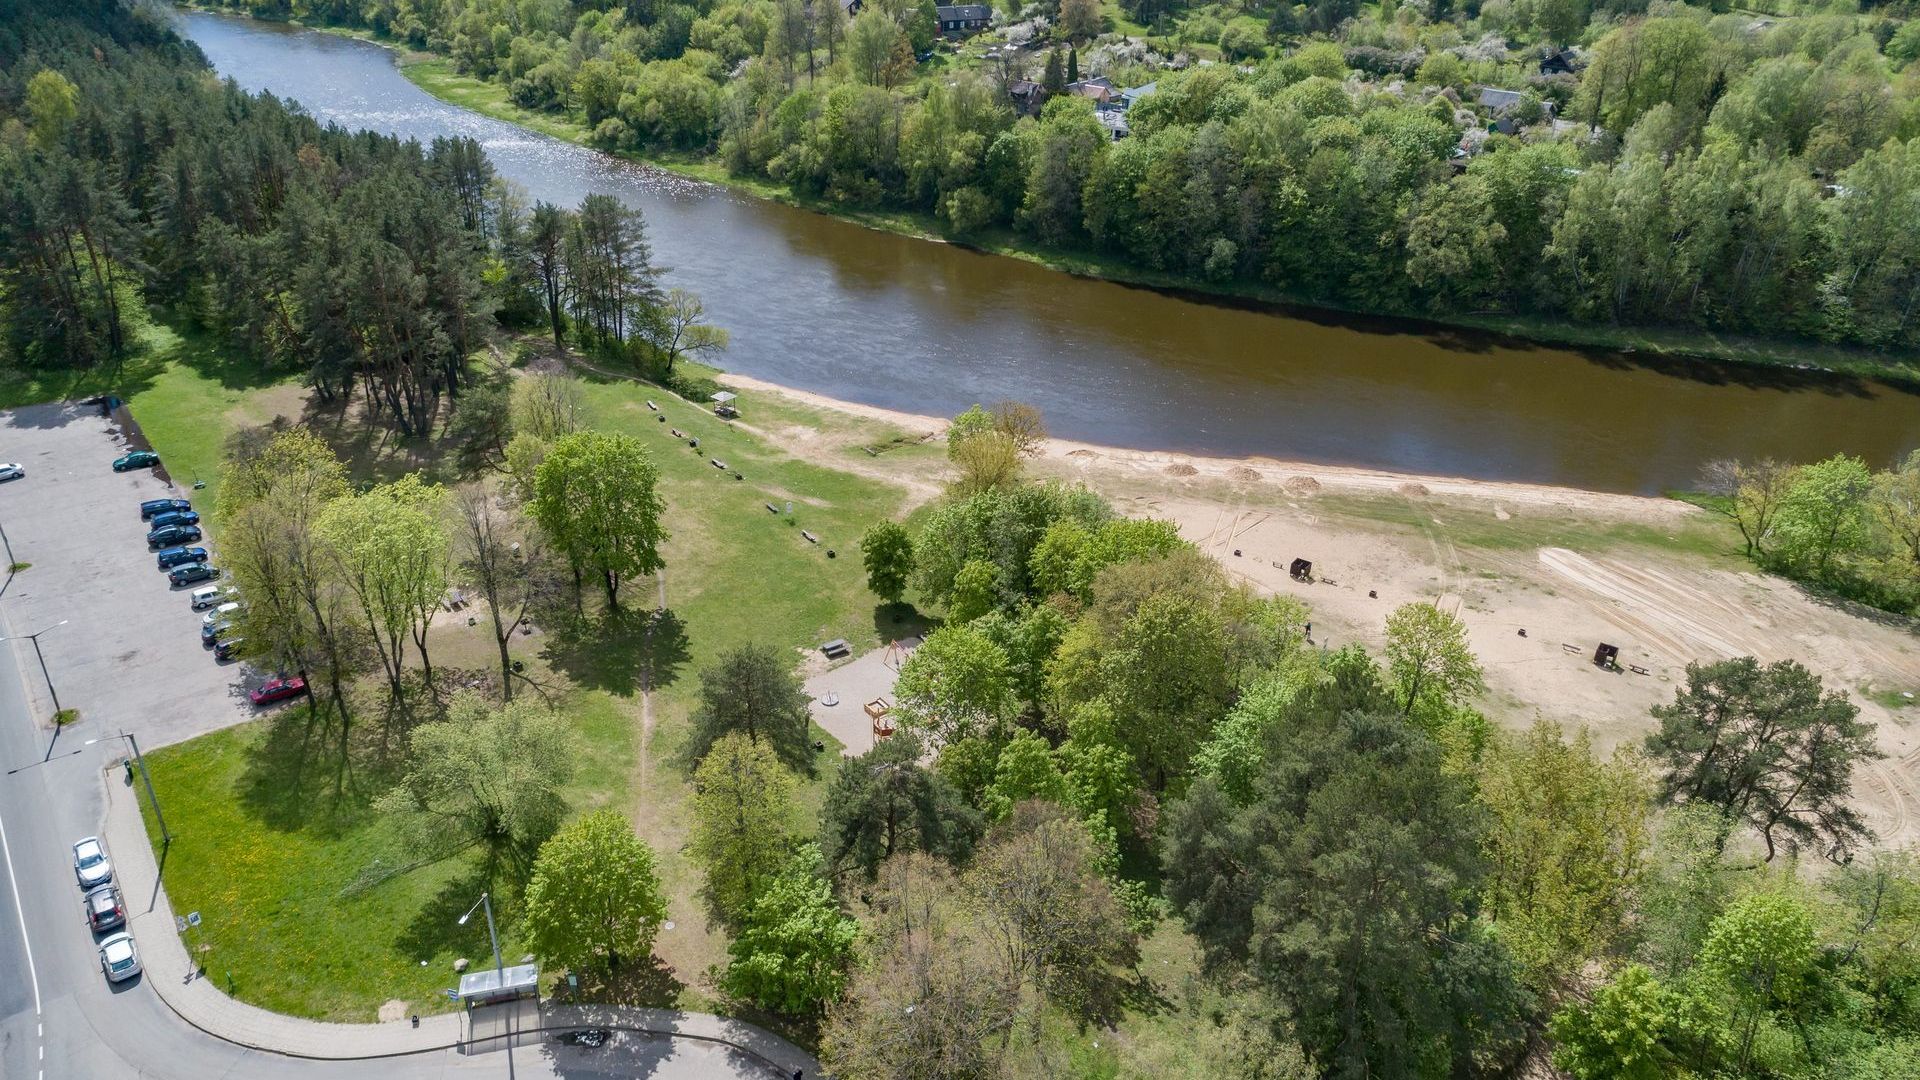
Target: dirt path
646	685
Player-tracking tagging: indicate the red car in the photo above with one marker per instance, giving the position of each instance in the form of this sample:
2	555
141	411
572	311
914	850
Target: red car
278	690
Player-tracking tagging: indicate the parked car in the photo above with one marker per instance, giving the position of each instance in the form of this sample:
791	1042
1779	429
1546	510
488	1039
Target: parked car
90	863
139	459
214	631
278	689
225	613
213	596
12	470
104	909
192	572
228	649
176	517
174	556
152	507
171	536
118	957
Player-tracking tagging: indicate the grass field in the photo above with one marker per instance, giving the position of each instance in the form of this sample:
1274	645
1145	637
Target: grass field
279	849
312	905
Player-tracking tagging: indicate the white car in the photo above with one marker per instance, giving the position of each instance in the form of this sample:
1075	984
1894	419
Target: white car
222	614
90	864
12	470
118	958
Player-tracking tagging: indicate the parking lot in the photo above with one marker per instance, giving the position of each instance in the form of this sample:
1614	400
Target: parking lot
124	648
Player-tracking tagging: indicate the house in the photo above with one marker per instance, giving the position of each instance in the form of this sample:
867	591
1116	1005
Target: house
1494	99
1027	96
1503	104
959	20
1129	98
1560	62
1114	120
1097	88
851	7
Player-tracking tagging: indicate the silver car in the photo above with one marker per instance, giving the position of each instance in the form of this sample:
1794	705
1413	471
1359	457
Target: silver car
118	958
90	863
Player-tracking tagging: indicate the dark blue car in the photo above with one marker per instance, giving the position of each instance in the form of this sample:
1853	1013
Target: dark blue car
211	633
172	536
174	556
162	506
175	517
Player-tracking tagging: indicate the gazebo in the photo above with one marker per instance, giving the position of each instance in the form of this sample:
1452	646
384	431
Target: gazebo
723	403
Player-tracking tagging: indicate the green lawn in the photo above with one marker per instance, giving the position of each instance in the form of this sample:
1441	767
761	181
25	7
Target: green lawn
276	846
312	906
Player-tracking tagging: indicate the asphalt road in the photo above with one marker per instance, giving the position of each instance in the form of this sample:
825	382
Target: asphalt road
59	1017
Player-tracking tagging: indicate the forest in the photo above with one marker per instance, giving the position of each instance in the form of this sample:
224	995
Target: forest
143	184
1697	167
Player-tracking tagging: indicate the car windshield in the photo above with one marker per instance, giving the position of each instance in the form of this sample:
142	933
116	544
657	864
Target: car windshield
90	858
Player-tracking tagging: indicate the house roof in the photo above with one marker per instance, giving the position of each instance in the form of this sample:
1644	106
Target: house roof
1492	97
965	12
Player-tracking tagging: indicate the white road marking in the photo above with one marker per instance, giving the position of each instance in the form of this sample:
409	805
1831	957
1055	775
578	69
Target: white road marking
13	881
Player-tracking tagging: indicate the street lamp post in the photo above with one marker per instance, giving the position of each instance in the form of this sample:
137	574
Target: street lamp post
40	656
499	969
166	838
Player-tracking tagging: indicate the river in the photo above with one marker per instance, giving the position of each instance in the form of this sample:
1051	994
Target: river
823	305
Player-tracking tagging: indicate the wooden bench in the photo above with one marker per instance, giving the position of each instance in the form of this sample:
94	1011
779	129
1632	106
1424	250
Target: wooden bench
836	648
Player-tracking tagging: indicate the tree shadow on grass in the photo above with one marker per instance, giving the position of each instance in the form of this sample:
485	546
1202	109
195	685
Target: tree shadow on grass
648	983
436	927
307	772
620	651
894	621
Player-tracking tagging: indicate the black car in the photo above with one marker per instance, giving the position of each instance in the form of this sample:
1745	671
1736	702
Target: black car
176	517
228	649
192	572
162	506
168	535
211	633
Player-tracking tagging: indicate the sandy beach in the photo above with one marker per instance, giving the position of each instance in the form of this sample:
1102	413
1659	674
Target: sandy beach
1541	575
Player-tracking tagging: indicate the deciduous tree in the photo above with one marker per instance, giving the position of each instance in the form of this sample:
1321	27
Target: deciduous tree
594	495
594	900
957	684
792	954
887	551
1428	658
743	799
1566	846
487	776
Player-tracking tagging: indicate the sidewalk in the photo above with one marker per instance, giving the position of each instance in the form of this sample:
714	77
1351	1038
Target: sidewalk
199	1002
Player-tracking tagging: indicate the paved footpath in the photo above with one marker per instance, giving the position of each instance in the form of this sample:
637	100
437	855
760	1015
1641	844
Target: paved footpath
200	1002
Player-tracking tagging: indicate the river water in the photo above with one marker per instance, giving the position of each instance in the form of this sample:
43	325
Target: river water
819	304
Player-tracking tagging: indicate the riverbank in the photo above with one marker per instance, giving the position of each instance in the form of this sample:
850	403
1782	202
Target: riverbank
1539	574
435	74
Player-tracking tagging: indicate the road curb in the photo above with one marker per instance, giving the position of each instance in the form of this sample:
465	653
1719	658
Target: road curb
165	960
